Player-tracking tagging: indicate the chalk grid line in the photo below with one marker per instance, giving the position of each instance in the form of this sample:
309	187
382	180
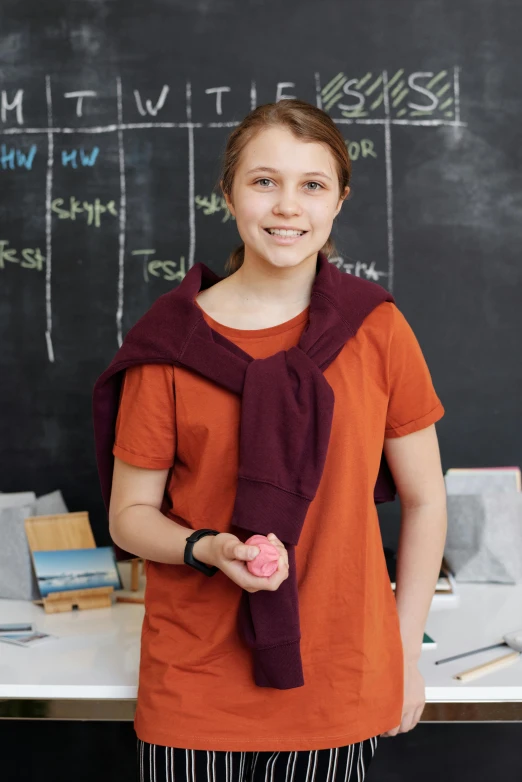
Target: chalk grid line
48	223
428	123
389	181
122	216
191	177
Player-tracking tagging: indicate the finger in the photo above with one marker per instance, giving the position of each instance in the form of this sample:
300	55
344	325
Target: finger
244	552
410	720
274	540
407	722
392	732
257	583
418	715
266	582
277	543
275	580
282	572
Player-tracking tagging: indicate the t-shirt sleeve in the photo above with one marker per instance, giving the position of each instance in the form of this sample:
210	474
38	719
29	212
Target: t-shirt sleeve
145	434
412	402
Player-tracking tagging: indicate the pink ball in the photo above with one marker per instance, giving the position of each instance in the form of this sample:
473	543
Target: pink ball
267	560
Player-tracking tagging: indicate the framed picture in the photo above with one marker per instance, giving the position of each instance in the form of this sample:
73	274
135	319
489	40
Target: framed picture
70	569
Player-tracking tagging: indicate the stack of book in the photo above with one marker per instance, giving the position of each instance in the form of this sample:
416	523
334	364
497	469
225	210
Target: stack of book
22	634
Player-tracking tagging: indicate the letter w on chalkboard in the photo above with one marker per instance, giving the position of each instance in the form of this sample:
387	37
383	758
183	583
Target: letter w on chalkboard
150	109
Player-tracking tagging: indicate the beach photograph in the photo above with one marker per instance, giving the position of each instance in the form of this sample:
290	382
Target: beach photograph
69	569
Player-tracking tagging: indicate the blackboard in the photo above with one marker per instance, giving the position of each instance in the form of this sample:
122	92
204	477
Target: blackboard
113	119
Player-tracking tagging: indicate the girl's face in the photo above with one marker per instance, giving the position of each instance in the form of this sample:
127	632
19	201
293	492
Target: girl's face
283	182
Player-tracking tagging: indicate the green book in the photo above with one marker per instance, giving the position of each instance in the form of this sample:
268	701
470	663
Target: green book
428	642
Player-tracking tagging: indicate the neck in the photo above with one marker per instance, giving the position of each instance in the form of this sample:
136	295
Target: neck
258	283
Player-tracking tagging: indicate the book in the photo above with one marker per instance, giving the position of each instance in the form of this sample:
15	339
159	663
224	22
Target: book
16	627
26	639
428	642
479	480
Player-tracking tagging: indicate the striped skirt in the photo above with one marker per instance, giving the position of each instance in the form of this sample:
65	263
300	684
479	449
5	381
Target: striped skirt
172	764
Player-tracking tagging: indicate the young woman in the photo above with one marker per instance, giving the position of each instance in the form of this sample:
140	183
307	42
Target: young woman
199	713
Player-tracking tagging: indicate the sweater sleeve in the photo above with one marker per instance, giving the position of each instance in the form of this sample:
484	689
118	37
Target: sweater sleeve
145	433
413	403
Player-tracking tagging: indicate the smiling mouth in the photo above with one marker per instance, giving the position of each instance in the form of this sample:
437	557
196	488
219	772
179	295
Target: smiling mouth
295	235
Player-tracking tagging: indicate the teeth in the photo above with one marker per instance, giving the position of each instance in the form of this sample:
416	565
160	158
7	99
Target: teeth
282	232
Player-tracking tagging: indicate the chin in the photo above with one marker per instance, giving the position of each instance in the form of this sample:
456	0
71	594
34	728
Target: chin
293	260
286	257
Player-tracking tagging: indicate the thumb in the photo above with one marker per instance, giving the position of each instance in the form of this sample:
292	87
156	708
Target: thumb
244	552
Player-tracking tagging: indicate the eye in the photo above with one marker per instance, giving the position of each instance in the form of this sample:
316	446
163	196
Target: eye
264	179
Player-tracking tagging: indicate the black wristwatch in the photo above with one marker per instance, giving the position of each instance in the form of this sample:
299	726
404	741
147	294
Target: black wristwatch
190	559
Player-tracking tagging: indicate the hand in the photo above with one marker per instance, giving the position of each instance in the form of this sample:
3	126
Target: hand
414	699
230	555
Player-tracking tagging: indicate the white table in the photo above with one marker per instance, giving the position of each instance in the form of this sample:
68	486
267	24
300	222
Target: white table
91	672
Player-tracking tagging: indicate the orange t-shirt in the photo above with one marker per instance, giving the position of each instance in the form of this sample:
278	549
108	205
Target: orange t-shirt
196	688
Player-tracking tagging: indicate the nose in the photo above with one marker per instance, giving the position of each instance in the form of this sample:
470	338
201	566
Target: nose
288	203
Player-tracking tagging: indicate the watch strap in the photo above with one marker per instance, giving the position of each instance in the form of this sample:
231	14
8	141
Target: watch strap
190	559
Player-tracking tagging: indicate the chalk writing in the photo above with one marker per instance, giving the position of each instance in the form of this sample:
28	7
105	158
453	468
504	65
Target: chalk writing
93	211
218	91
280	93
149	108
381	99
363	148
397	94
28	257
360	97
166	269
358	268
80	95
15	158
86	158
16	104
212	205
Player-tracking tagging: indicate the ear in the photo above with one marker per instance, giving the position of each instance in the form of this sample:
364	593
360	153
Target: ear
342	199
227	199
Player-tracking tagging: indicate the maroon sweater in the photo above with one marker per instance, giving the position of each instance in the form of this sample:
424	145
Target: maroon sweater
286	416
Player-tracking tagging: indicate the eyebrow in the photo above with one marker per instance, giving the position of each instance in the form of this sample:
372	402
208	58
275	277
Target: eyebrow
276	171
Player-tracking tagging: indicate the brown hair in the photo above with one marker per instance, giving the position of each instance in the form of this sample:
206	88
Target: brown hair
307	123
